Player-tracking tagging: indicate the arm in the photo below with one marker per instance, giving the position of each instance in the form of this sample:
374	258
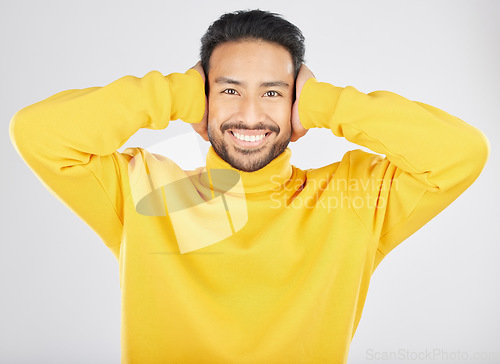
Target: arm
431	156
70	140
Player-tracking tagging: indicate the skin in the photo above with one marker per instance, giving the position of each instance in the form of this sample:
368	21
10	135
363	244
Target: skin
251	94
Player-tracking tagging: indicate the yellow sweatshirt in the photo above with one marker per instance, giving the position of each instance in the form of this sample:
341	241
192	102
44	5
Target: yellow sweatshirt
271	266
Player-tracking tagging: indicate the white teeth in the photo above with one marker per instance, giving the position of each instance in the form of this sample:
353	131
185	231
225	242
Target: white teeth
249	138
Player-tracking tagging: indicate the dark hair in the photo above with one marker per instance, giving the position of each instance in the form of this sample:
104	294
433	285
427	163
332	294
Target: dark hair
253	24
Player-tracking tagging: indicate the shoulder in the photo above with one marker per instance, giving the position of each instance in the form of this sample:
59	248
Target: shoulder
354	162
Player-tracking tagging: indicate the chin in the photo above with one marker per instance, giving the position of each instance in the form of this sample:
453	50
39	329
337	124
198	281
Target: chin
250	161
247	160
246	166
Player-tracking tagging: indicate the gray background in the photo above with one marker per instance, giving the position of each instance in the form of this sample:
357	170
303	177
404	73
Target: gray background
439	290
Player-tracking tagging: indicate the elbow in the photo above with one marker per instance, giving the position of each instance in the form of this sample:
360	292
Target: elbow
24	132
477	151
480	153
17	131
463	161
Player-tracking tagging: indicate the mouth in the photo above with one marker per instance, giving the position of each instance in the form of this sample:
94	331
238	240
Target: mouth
249	138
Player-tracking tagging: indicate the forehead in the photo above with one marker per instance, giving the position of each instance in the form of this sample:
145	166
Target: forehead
251	57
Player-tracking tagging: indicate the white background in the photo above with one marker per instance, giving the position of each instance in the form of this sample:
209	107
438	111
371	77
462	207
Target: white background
439	290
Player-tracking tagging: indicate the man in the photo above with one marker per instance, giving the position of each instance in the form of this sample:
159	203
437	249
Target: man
249	259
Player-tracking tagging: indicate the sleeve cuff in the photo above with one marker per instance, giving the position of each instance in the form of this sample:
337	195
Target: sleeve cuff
188	96
317	104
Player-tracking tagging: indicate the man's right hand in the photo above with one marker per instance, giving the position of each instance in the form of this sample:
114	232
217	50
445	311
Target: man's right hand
201	127
298	130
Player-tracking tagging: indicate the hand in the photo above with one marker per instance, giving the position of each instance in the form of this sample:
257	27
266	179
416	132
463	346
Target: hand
298	130
201	127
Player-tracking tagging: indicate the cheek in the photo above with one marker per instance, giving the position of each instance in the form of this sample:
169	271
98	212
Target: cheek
221	111
282	116
217	109
214	110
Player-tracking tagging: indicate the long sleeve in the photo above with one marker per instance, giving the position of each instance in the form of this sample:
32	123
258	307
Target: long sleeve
70	140
431	157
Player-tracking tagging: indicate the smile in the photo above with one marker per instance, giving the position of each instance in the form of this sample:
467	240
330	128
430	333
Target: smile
249	138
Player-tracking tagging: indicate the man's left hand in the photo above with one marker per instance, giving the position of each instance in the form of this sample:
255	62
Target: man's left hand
298	130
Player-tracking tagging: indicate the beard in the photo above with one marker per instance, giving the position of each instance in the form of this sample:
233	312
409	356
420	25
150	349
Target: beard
247	160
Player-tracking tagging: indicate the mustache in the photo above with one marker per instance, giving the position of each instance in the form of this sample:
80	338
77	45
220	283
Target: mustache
242	126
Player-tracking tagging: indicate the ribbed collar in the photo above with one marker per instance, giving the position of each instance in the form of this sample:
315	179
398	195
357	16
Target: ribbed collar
267	179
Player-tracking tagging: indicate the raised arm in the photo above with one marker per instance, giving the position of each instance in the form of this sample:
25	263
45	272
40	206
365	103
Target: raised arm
431	156
70	140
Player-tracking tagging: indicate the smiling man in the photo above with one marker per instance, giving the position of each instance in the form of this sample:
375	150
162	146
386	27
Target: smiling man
247	259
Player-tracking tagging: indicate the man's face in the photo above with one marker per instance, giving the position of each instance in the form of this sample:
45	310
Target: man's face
251	91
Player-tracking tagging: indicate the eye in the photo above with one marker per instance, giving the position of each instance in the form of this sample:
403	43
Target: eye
230	91
272	94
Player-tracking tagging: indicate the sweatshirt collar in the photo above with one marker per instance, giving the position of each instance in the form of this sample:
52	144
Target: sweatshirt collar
267	179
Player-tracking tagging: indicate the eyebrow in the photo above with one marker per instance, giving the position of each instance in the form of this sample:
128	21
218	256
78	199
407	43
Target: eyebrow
263	84
274	84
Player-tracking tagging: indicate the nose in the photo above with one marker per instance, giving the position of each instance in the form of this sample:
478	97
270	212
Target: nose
251	112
